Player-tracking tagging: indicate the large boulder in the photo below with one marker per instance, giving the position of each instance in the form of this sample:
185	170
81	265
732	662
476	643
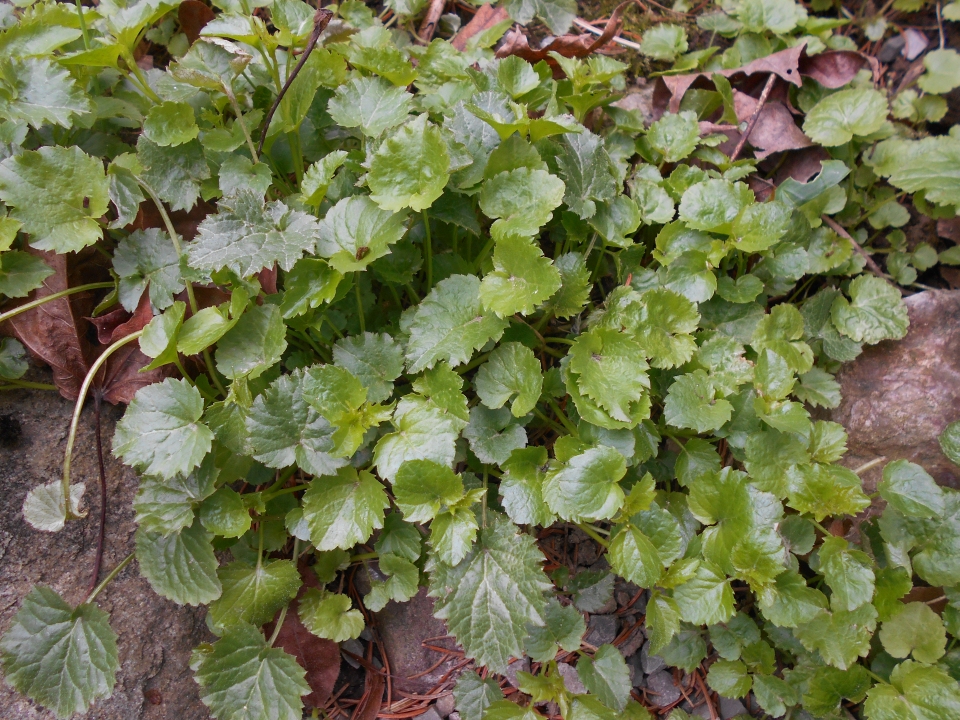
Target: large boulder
898	396
155	635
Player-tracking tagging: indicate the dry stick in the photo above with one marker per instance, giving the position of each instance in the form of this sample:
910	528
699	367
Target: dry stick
320	21
756	116
583	25
429	25
871	265
98	559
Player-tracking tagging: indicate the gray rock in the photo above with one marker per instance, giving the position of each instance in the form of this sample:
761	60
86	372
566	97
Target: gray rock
731	708
661	689
891	49
650	663
586	553
156	636
403	628
636	670
571	680
430	714
601	629
639	98
899	395
453	716
521	665
633	642
445	705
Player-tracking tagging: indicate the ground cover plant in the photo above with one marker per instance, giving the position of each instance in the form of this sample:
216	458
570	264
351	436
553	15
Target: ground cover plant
384	303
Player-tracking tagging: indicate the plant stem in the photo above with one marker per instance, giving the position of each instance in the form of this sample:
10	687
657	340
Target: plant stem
428	249
874	675
106	581
867	465
565	341
562	416
83	26
25	385
356	288
55	296
479	360
360	557
558	428
589	530
412	293
141	80
483	254
102	525
283	612
483	509
84	389
243	126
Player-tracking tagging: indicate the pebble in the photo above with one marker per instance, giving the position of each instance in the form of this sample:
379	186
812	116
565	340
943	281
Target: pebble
661	689
601	629
430	714
651	663
571	680
445	705
731	708
514	667
633	642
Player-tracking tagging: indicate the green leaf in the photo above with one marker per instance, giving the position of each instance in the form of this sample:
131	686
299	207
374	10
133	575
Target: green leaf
319	176
61	657
329	615
915	629
410	168
449	325
371	104
341	399
160	433
848	572
253	593
493	434
506	710
375	359
511	370
58	194
714	204
664	42
563	628
452	534
943	71
841	636
13	366
606	676
634	557
473	695
818	388
522	487
611	371
422	487
238	173
917	691
845	113
586	171
760	226
914	165
399	537
423	431
556	14
522	278
39	92
911	490
674	136
729	678
181	566
574	286
242	678
950	442
166	506
706	599
825	490
522	200
344	509
585	487
224	513
829	686
489	597
310	284
147	260
45	508
875	311
355	232
21	272
662	620
774	694
170	123
692	402
663	328
253	345
248	234
284	429
174	173
401	585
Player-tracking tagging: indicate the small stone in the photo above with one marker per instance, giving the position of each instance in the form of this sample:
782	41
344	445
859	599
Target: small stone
891	48
601	630
650	663
608	608
453	716
661	689
522	665
640	606
587	553
731	708
637	676
445	705
571	680
430	714
633	642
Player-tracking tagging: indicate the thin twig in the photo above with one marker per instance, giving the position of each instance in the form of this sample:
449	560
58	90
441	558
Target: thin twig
583	25
98	559
940	24
320	21
430	21
755	117
871	265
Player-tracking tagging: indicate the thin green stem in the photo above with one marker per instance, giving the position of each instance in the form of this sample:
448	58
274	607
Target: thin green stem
83	26
283	612
110	576
591	531
243	126
412	293
356	288
141	79
565	341
484	501
562	416
50	298
876	677
820	527
361	557
297	154
282	491
428	248
78	408
333	327
483	254
867	465
25	385
558	428
479	360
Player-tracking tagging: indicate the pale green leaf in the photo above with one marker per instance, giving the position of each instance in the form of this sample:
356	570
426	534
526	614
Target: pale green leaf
344	509
585	487
606	676
253	593
522	278
511	370
371	104
521	200
838	117
355	232
915	629
410	168
329	615
147	260
181	566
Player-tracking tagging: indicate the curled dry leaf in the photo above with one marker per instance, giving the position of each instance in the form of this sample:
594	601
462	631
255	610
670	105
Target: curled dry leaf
487	16
775	130
516	43
372	699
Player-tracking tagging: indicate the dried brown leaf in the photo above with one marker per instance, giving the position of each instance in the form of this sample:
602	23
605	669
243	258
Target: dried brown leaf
487	16
193	16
